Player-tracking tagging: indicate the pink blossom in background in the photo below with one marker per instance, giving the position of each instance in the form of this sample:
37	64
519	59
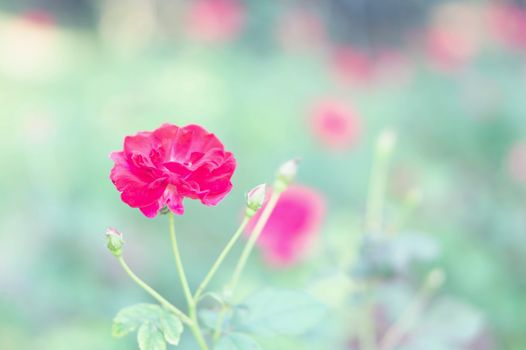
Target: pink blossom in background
456	35
517	162
293	226
508	24
352	65
335	124
300	29
39	18
215	20
447	50
162	167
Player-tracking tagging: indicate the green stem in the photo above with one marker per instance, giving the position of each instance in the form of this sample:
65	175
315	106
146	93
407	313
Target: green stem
265	215
256	232
196	330
154	294
376	197
220	258
179	263
373	223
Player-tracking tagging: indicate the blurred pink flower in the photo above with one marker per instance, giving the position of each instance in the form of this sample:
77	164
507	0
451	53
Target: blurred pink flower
292	227
456	34
447	49
162	167
352	65
215	20
39	18
335	124
517	162
508	24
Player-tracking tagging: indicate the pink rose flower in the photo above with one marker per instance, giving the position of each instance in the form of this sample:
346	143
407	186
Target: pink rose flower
215	21
335	124
292	227
161	167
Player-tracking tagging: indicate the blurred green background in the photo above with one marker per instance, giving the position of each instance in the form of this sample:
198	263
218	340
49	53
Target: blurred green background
77	76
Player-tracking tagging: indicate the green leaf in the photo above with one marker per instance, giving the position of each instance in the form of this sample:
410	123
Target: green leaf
218	298
286	312
237	341
150	337
451	320
132	317
209	317
172	328
156	325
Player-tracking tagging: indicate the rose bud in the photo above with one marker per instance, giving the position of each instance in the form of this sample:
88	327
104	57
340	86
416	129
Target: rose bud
115	241
286	174
255	199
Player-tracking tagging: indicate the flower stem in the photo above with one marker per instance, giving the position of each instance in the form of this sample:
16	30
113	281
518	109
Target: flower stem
394	335
262	221
373	223
220	258
178	262
375	200
196	330
155	294
256	232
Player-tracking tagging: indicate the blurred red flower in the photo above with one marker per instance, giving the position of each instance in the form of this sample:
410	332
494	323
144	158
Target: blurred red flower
164	166
215	20
292	226
335	124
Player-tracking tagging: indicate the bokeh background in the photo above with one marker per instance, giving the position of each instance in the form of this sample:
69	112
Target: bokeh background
77	76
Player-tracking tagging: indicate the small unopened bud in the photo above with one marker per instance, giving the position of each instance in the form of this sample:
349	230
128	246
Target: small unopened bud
114	241
255	199
286	174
